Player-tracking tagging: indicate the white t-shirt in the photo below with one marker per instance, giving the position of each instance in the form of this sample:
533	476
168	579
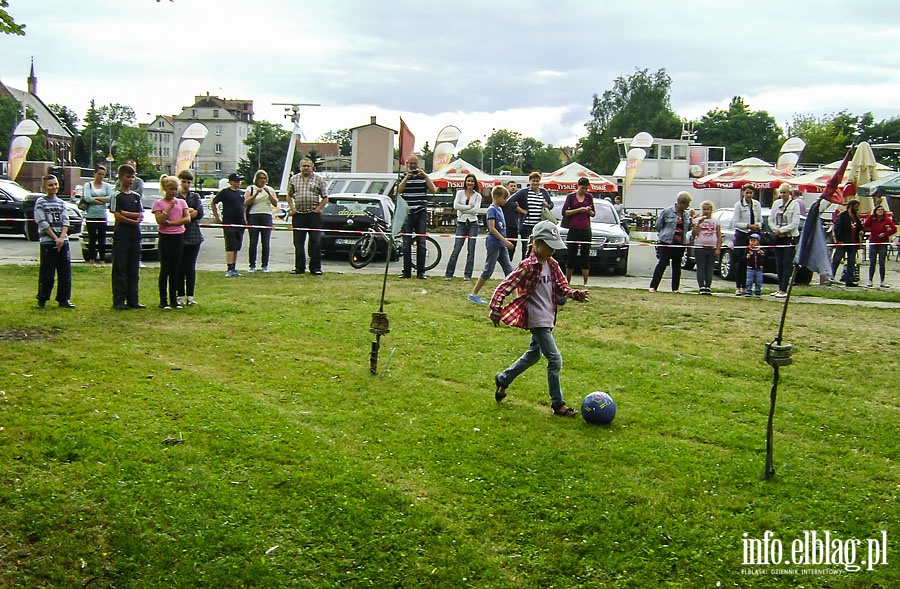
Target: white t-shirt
540	303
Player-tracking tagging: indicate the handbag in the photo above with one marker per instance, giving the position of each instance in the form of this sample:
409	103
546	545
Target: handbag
564	222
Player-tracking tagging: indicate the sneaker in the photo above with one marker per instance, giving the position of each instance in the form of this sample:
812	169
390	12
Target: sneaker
265	270
178	306
738	292
885	285
165	306
448	278
869	284
229	273
780	295
500	390
180	300
252	270
476	299
748	294
190	301
422	276
236	273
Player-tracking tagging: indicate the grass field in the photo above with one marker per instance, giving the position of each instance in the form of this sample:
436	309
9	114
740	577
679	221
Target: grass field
244	443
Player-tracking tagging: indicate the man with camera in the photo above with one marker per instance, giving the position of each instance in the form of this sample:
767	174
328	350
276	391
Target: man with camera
414	188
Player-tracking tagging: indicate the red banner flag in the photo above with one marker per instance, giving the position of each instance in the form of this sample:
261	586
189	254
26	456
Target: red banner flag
407	142
832	193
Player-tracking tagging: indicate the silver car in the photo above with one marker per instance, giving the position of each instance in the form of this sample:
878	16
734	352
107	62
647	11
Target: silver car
149	227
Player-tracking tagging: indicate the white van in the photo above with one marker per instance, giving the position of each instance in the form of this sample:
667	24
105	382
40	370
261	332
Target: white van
359	182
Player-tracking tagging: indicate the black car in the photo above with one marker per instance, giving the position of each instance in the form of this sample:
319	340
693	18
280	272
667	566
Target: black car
724	265
345	218
17	205
609	237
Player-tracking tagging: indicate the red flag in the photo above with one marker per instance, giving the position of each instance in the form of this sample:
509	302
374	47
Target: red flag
407	142
831	192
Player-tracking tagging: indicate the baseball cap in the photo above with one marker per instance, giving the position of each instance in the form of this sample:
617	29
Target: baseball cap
754	236
548	232
235	177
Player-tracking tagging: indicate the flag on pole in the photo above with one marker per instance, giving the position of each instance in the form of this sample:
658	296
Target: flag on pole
812	252
831	192
400	214
407	142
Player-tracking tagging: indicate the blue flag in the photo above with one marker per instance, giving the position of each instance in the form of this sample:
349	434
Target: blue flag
401	212
812	253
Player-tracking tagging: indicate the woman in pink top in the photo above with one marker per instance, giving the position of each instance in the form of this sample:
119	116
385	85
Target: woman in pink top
707	246
172	214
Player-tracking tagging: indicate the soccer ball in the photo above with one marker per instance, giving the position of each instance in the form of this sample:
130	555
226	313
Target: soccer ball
598	407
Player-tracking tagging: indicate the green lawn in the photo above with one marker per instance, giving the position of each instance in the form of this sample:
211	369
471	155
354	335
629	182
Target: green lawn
244	443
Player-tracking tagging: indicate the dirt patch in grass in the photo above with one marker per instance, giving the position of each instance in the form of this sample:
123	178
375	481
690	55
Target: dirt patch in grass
13	334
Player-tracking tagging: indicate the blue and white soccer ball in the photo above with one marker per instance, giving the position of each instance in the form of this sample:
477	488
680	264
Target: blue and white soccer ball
598	408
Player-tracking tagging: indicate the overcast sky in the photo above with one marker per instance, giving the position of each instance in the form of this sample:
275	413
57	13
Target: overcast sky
524	65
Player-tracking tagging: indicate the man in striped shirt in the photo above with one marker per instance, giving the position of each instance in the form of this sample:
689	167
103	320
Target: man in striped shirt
53	224
414	188
530	203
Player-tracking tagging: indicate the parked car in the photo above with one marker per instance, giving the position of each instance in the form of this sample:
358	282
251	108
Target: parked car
344	219
17	205
149	227
725	264
609	237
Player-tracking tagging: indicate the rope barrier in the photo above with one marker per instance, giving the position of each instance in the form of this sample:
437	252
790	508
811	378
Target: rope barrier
360	233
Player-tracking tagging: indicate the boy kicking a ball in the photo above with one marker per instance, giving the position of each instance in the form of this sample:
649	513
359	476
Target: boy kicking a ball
537	282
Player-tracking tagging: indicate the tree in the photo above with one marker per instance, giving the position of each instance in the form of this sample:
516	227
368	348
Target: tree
828	138
8	26
745	133
426	158
268	144
343	137
473	153
503	148
10	115
66	116
637	103
102	127
133	144
887	131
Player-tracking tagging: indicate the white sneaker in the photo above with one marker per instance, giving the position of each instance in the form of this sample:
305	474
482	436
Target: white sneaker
181	300
265	270
885	285
869	284
190	301
252	270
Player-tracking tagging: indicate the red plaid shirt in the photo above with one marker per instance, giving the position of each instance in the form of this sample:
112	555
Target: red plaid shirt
524	279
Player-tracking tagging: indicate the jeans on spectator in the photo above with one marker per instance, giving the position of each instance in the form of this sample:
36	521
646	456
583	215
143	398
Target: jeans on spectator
668	255
466	232
416	223
307	224
706	259
56	264
260	230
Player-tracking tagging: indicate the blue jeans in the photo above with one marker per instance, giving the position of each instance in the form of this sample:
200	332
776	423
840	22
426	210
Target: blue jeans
705	258
416	222
754	280
466	232
542	342
497	253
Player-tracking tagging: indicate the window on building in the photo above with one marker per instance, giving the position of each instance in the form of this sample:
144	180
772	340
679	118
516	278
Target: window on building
218	166
216	114
218	129
162	124
193	112
218	148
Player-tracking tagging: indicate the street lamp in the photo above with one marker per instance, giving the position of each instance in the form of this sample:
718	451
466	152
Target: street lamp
492	151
